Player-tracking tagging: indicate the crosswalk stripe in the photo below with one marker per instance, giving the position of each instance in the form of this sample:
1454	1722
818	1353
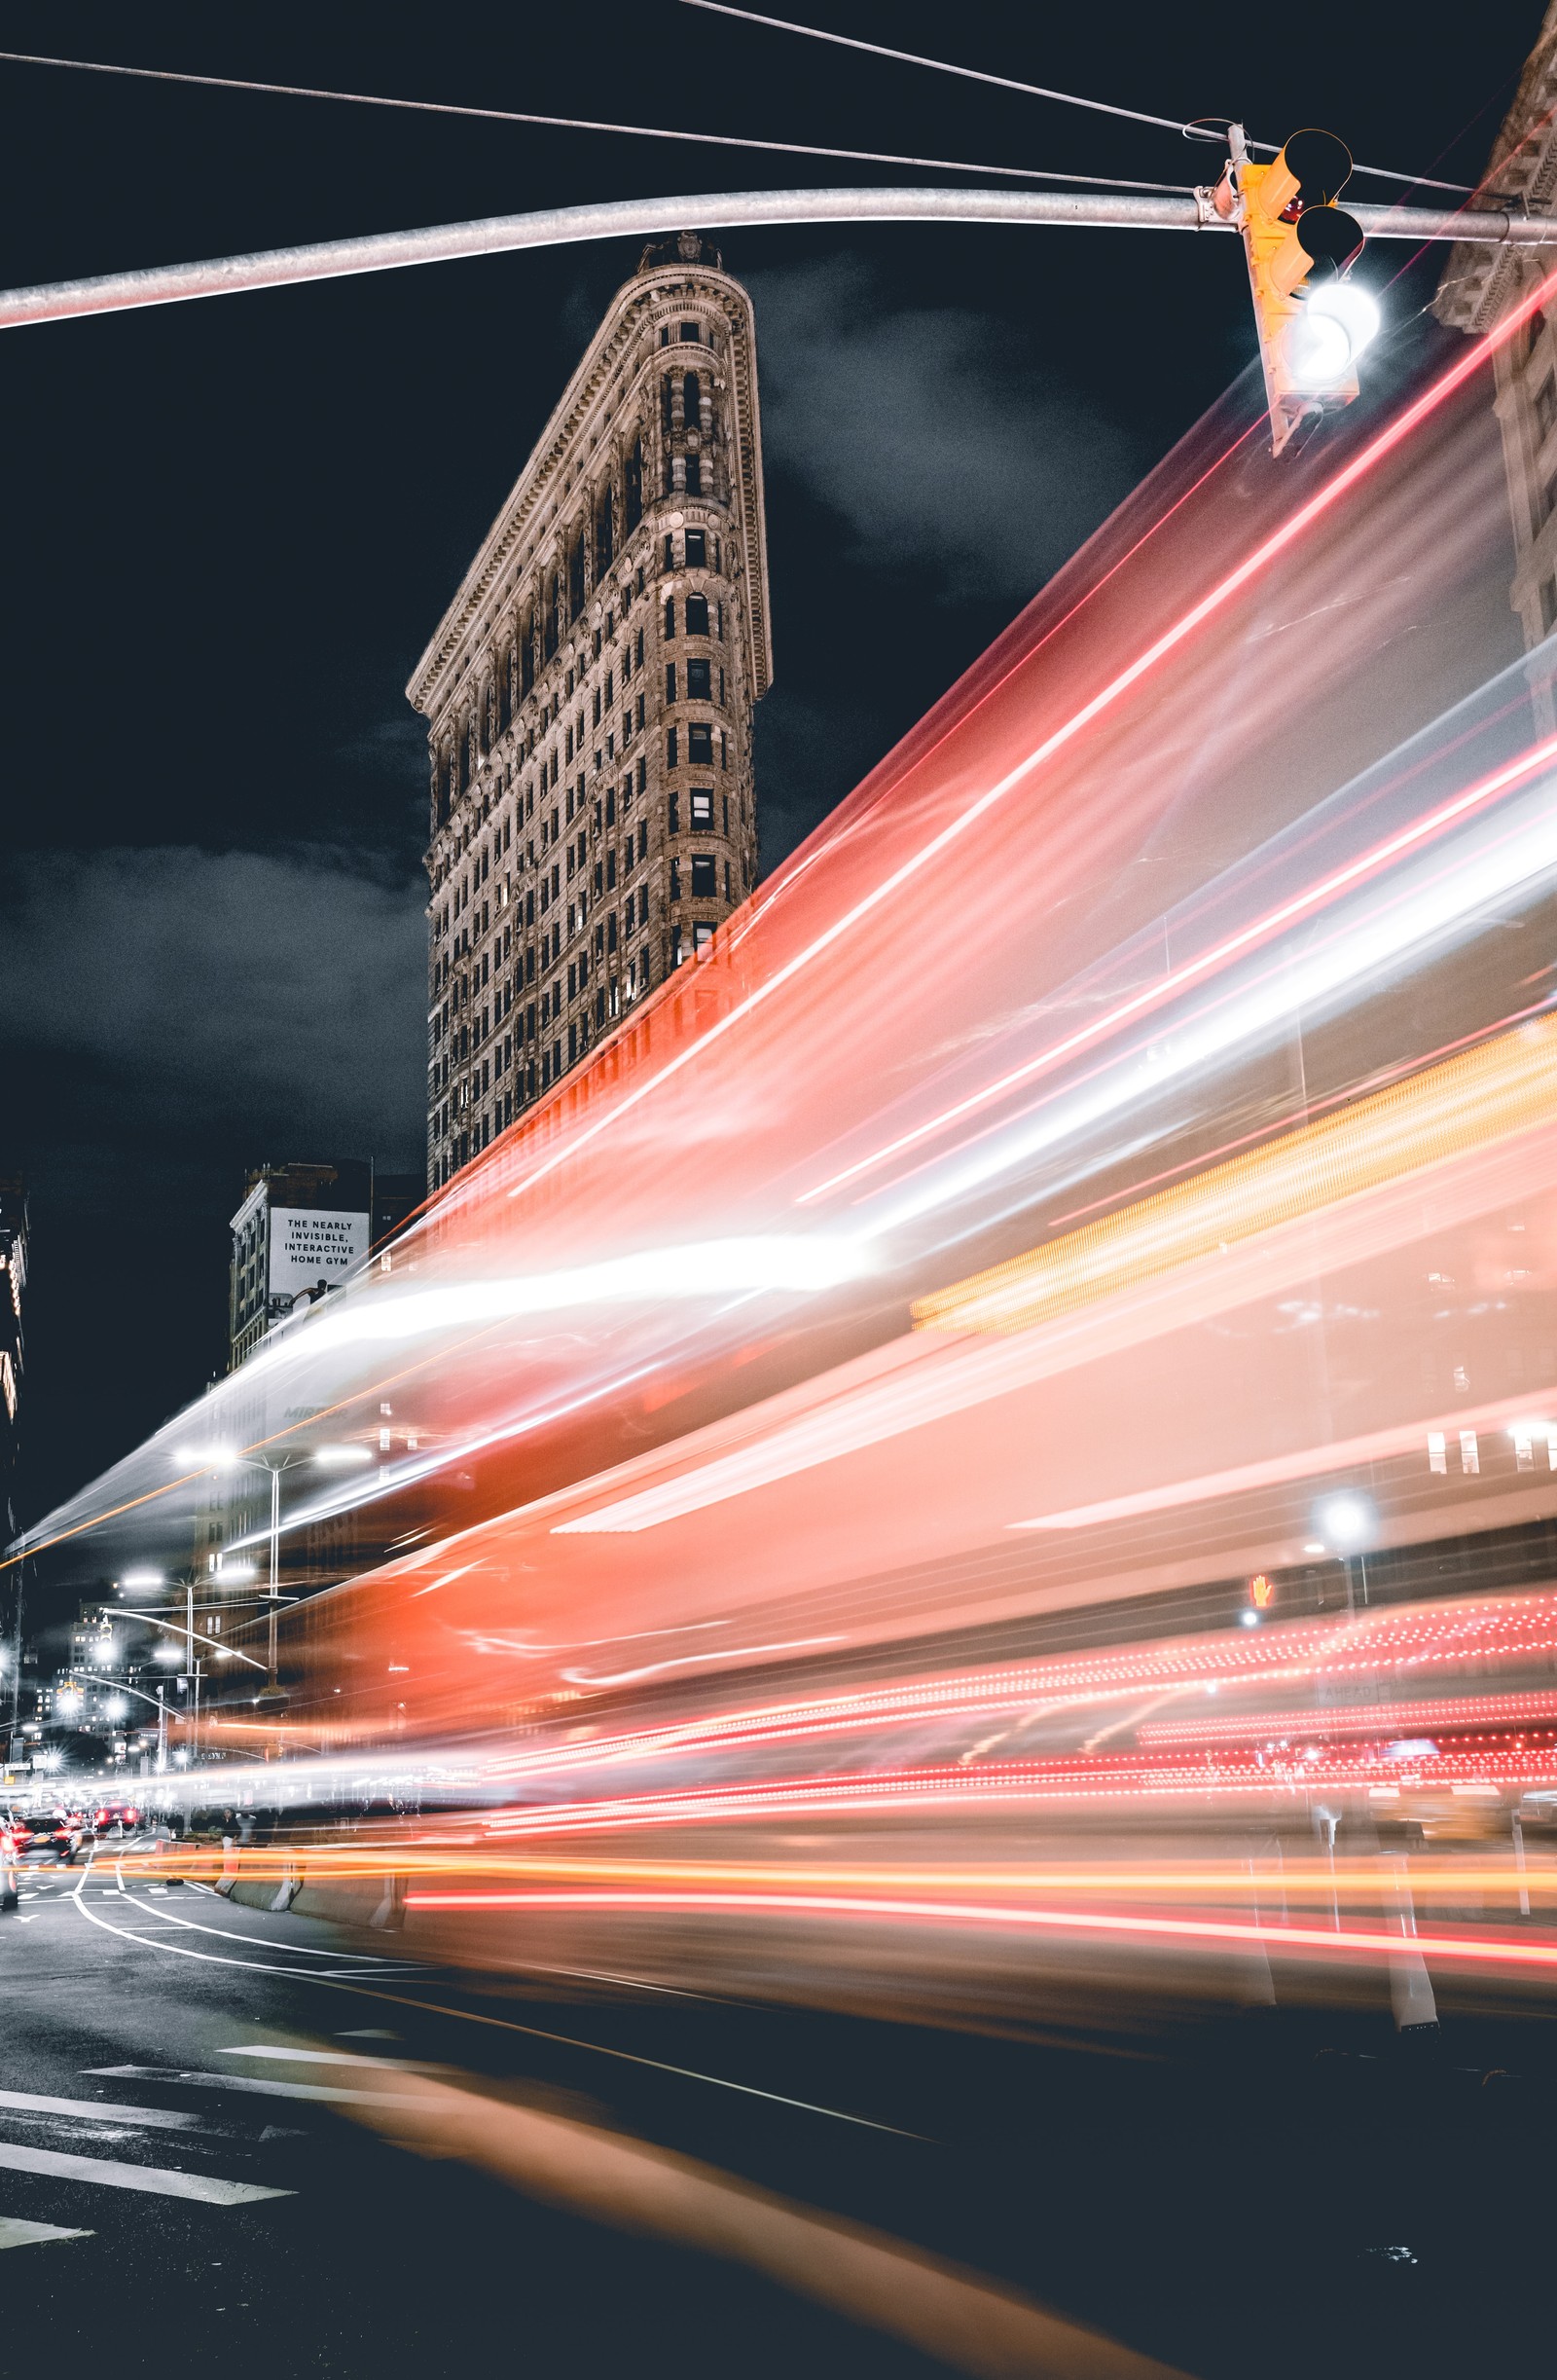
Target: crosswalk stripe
15	2233
163	2181
328	2057
102	2110
192	2081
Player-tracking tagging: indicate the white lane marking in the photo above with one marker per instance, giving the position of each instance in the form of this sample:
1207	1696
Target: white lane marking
15	2233
161	2180
212	1958
193	2080
328	2057
296	1950
535	2032
102	2111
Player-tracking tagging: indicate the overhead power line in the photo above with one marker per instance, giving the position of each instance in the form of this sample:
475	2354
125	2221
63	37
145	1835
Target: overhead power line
572	123
1031	91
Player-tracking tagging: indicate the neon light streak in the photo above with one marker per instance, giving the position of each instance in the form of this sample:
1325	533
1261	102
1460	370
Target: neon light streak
1171	1932
1249	938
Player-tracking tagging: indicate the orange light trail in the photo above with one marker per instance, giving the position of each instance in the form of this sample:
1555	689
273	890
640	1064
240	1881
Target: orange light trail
1486	1949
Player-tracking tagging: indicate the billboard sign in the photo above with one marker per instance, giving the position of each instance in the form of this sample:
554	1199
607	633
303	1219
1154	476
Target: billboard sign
313	1244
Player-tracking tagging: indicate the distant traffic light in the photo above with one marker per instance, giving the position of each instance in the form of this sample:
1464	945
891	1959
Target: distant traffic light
1313	323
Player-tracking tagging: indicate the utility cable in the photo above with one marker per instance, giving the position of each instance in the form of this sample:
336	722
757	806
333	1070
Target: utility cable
1031	91
579	124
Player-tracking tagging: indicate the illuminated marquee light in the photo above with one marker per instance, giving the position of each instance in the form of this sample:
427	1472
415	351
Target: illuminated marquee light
1496	1710
1458	1768
1487	1094
1296	1653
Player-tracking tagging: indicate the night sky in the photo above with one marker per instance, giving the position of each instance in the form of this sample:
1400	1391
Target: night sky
231	527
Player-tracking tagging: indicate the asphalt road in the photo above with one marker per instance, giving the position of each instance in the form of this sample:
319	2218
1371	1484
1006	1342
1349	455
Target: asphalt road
204	2156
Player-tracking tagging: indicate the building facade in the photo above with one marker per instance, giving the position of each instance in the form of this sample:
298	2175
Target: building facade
589	700
1478	287
302	1230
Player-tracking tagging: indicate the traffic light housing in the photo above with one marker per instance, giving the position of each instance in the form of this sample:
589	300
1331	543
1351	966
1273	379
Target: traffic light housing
1300	245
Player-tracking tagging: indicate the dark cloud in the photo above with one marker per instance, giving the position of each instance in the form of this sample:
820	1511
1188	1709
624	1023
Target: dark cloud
393	748
278	993
937	435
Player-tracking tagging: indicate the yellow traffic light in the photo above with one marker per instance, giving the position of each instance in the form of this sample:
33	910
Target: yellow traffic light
1309	338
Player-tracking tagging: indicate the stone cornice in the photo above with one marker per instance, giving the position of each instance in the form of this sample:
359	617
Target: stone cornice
534	512
1479	282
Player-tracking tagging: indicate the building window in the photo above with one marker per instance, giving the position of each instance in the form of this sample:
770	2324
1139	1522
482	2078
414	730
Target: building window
699	744
691	335
694	475
703	886
702	807
696	615
699	688
575	577
697	550
691	401
604	529
670	620
675	880
1546	405
1548	605
1535	330
634	507
670	748
702	939
670	684
674	818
